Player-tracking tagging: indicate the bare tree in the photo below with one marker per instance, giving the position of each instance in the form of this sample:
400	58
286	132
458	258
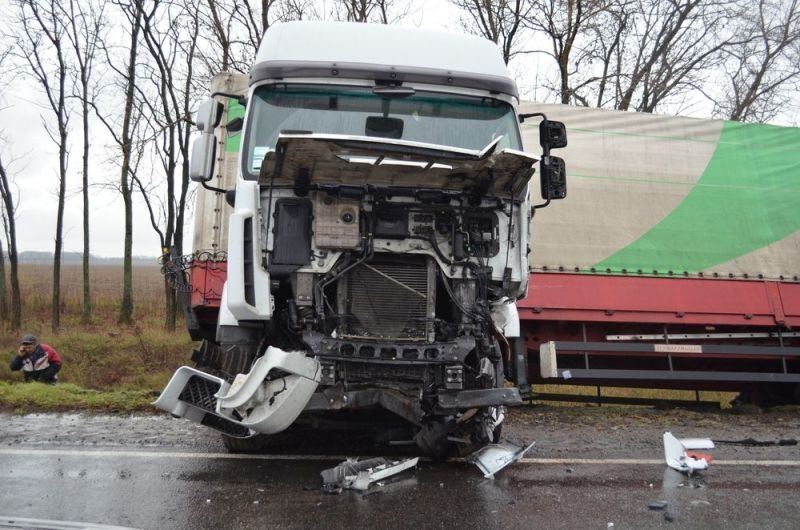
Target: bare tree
762	70
123	133
134	15
233	29
40	44
606	33
220	24
86	20
167	103
7	213
3	286
4	309
565	23
671	47
254	17
500	21
376	11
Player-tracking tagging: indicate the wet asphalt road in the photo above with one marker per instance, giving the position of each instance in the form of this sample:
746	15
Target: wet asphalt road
166	483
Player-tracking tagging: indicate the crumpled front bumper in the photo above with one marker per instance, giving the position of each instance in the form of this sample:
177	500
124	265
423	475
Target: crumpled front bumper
266	400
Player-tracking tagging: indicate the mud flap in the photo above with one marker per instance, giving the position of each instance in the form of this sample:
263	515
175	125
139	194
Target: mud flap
254	403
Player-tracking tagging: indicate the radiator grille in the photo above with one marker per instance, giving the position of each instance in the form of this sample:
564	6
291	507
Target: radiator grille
389	298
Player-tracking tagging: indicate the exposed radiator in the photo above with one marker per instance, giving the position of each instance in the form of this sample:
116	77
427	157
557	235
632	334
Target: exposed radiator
390	297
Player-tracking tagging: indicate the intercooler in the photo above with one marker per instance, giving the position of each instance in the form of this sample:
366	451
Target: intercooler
390	297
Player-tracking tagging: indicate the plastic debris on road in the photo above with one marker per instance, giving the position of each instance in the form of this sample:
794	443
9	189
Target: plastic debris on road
359	474
492	458
681	455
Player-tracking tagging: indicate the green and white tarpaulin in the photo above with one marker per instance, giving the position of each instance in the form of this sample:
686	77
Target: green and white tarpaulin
656	193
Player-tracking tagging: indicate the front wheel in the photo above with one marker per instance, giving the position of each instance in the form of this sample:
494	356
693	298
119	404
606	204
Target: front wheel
255	444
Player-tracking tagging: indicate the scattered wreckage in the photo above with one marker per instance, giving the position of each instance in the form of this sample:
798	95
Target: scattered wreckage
359	474
681	453
494	457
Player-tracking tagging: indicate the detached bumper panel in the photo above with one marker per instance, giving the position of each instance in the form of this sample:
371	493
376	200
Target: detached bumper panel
266	400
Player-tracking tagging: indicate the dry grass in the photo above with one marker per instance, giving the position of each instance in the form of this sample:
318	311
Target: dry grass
36	284
101	354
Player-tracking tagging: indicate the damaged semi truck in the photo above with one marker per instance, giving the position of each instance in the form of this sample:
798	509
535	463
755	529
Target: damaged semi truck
378	243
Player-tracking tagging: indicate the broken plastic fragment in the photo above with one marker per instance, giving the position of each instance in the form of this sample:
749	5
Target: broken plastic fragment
492	458
678	453
358	475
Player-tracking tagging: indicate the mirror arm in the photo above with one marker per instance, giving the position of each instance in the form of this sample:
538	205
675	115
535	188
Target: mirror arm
241	100
537	206
522	117
212	188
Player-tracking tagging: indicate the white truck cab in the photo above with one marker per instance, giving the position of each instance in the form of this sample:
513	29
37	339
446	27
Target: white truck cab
379	238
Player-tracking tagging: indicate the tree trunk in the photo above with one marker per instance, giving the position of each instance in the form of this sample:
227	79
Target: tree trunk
86	314
3	287
126	307
171	313
11	234
13	261
62	190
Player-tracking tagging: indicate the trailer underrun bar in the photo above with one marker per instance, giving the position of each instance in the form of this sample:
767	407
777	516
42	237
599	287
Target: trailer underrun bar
550	369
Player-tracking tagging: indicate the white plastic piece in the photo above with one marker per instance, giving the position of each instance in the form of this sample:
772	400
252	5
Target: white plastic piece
225	317
506	317
270	406
358	475
253	401
675	453
547	360
168	400
492	458
247	207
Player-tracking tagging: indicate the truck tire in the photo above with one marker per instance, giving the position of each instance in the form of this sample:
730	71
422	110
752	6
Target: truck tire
237	358
207	357
255	444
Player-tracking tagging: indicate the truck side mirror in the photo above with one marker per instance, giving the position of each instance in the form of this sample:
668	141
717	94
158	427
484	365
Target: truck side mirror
204	148
552	134
201	163
553	178
208	115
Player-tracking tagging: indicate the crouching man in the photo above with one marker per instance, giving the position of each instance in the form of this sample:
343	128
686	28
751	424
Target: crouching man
39	362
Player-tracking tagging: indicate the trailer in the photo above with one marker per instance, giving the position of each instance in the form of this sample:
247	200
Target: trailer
675	262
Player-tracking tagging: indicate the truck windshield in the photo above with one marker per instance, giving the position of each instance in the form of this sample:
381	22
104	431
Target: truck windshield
429	117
